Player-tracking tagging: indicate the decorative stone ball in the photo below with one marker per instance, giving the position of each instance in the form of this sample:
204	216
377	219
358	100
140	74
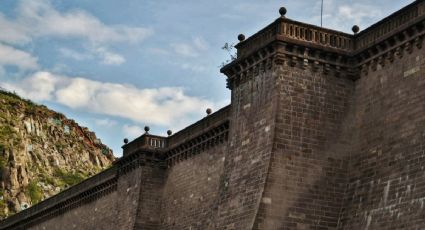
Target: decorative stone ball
355	29
209	111
282	11
169	132
147	128
125	141
241	37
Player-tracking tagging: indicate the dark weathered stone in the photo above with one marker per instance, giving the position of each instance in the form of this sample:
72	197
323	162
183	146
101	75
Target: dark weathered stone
355	29
282	11
325	130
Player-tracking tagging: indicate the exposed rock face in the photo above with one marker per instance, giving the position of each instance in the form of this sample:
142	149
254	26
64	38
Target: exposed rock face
41	153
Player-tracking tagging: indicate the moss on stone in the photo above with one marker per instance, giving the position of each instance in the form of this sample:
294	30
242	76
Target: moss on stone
6	132
34	192
2	206
3	163
68	178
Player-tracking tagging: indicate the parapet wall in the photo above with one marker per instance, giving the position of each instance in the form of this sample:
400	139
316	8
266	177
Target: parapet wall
207	133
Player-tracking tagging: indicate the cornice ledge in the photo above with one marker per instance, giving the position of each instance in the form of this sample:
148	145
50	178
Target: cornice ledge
291	54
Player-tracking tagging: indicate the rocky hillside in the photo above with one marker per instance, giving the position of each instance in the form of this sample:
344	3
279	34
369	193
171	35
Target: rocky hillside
41	153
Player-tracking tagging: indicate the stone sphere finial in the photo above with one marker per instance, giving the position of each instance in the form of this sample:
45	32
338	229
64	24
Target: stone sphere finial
125	141
209	111
147	129
282	11
355	29
169	132
241	37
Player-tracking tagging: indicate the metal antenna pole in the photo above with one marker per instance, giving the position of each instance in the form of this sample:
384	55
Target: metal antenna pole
321	15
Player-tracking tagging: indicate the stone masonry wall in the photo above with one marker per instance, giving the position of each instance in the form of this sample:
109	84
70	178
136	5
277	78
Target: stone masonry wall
150	196
101	214
386	187
116	210
306	179
126	196
190	198
129	186
249	148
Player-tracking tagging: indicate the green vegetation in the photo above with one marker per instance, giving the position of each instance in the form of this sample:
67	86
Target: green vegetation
105	151
14	111
46	178
59	146
49	180
12	96
34	192
13	102
6	132
2	204
3	163
69	178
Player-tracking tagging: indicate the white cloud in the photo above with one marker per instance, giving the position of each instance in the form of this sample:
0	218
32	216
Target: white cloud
9	56
105	56
358	13
38	87
109	58
340	16
167	106
106	122
40	18
13	32
185	50
190	49
132	131
159	51
79	56
200	43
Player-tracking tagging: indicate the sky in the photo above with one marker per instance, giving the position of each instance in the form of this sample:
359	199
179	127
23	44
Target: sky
115	66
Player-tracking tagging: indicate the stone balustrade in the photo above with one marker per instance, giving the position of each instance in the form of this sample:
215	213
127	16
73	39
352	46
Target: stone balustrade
401	19
298	33
292	31
146	141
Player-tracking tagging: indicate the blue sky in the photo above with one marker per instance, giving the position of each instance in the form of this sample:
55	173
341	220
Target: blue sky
116	66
